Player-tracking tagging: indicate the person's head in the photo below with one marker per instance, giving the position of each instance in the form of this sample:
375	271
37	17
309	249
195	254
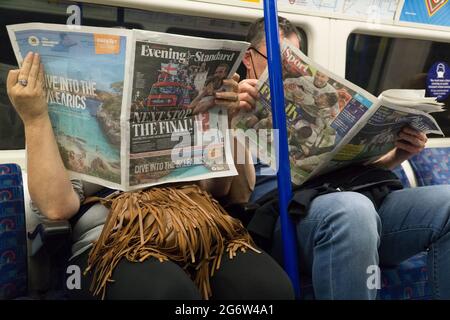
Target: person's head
221	71
326	100
255	59
320	79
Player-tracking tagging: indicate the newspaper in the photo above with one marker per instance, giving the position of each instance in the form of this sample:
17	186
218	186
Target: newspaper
331	122
133	108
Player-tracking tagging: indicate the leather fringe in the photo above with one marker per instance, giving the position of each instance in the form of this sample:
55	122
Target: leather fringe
182	224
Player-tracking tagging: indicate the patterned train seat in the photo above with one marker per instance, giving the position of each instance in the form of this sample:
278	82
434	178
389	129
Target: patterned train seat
401	174
13	246
432	166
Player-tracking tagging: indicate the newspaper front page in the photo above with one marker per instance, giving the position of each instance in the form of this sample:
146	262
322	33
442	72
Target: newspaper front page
133	108
331	122
176	132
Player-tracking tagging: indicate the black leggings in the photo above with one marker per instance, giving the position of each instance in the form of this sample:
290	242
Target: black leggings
248	276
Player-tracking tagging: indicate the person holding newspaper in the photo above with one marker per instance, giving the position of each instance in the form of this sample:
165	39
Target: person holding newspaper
345	235
177	269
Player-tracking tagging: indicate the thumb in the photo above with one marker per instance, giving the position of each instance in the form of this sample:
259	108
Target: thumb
236	77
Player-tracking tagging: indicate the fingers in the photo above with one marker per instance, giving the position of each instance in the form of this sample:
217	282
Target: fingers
34	71
203	106
413	132
11	81
408	147
244	105
252	82
248	94
228	96
248	83
249	86
41	78
246	101
26	66
412	140
231	85
226	103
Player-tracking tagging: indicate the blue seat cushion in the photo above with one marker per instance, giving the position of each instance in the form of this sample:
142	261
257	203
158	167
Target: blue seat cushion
401	174
407	281
432	166
13	246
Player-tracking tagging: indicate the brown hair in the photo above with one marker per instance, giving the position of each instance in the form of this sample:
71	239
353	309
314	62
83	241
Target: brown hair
256	32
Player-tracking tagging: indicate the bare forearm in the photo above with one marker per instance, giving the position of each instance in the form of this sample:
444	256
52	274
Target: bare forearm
389	161
243	184
48	181
237	189
218	187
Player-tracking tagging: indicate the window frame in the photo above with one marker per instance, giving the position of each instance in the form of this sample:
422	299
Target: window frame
312	26
341	30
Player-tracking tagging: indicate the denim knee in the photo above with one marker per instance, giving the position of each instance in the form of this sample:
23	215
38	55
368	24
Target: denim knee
350	218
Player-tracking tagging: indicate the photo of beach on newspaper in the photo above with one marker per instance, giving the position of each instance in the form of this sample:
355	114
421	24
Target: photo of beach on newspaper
84	79
133	108
332	122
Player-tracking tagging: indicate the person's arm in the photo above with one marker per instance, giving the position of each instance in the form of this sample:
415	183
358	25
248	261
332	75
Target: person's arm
236	189
409	143
48	181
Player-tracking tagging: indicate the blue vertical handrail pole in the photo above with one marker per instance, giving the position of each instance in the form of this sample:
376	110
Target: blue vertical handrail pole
279	123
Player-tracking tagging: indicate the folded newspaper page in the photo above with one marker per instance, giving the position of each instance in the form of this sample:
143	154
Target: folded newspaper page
133	108
332	122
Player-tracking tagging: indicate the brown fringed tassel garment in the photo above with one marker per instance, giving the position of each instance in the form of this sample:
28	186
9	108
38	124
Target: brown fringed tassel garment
182	224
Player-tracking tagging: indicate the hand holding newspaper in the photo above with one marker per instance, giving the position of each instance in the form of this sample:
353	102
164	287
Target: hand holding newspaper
331	122
134	108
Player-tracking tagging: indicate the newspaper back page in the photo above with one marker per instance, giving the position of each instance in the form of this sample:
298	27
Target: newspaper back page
331	122
321	110
85	75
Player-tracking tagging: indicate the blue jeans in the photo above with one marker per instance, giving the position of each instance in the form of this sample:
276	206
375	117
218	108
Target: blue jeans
343	235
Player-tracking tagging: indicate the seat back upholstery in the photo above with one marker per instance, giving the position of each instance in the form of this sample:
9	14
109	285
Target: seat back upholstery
401	174
432	166
13	243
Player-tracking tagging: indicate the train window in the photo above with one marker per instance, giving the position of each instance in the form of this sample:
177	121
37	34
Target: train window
22	11
196	26
54	11
378	63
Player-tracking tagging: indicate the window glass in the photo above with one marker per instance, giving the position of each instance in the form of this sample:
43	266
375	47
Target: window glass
196	26
379	63
23	11
54	11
